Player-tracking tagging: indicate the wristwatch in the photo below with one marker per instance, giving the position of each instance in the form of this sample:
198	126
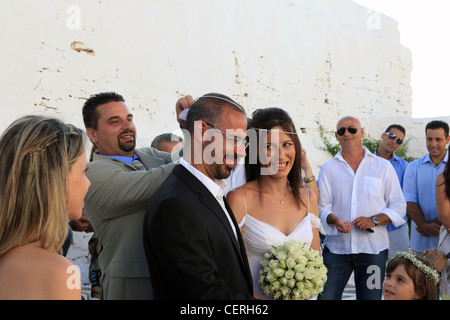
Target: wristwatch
375	220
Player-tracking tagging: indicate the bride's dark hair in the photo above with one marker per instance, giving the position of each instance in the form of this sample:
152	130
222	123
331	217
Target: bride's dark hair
447	178
269	118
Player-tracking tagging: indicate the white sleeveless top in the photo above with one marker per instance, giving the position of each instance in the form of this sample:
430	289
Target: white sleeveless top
259	237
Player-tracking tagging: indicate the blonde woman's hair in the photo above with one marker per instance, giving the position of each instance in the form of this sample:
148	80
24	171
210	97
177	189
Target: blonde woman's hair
36	155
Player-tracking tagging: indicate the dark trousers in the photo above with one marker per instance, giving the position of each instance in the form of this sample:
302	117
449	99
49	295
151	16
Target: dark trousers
369	270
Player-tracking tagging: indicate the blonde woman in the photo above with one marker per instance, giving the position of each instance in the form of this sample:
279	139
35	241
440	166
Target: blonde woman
42	186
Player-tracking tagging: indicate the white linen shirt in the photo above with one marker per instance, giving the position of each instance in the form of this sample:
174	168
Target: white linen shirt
218	188
372	190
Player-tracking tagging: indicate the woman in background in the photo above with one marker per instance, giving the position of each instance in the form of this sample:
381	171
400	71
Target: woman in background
42	186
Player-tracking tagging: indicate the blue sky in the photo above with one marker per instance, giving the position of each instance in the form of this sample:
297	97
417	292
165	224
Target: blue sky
424	27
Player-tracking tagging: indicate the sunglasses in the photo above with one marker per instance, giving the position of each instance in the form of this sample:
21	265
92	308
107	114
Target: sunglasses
393	136
352	130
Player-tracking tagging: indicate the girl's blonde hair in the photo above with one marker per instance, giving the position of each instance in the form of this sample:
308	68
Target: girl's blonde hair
36	155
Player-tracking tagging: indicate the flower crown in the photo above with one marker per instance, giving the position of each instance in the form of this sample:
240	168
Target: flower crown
427	270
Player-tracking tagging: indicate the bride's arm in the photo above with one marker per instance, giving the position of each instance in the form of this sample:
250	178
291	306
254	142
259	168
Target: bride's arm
236	201
314	209
308	175
442	202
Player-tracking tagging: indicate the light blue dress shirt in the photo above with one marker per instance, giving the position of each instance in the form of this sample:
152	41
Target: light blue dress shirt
419	186
399	165
125	159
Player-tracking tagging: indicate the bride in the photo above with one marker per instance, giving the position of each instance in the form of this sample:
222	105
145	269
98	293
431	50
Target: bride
273	208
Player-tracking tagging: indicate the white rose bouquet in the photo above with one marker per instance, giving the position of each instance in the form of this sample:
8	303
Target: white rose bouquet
292	271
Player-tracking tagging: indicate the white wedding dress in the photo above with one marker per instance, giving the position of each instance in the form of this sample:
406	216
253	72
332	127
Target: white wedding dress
259	237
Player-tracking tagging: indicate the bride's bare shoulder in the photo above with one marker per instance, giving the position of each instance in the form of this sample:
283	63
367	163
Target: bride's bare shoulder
306	192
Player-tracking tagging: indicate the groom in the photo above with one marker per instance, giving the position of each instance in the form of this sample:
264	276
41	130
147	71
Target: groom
192	242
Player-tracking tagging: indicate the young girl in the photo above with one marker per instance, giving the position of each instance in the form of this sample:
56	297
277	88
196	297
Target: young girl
409	278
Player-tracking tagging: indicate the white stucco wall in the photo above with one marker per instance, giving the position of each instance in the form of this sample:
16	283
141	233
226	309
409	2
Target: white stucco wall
318	59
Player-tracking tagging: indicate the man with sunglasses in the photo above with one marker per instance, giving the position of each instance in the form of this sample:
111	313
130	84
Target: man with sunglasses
359	196
419	187
391	140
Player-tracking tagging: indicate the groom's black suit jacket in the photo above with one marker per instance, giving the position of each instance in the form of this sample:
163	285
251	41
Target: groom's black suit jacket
190	247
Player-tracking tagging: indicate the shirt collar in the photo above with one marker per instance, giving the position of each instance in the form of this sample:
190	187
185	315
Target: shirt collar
395	157
122	158
428	159
367	153
218	188
392	159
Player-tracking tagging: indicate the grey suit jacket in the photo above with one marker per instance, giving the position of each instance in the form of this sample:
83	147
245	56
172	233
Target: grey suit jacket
115	204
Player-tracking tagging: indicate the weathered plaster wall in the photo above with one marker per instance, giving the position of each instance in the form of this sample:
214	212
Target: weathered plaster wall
318	59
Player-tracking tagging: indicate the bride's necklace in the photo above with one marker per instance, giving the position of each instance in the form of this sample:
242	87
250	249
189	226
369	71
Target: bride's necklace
282	201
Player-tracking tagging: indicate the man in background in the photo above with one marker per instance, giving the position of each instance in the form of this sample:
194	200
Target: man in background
419	187
359	196
392	138
167	142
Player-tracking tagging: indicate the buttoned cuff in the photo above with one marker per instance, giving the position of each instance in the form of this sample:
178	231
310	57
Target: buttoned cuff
410	197
396	219
330	229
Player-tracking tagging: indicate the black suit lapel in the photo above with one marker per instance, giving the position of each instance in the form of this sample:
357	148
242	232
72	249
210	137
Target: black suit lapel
241	245
207	199
211	202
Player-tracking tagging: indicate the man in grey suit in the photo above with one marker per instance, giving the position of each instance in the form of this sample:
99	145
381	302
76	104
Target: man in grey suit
122	180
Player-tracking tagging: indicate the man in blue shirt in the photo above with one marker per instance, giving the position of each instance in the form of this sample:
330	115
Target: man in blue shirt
419	188
391	140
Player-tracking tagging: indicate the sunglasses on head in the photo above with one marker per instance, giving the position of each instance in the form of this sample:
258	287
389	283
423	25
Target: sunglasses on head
352	130
393	136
